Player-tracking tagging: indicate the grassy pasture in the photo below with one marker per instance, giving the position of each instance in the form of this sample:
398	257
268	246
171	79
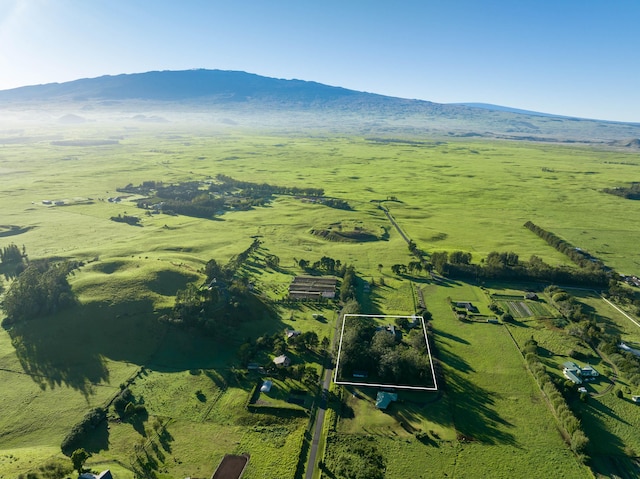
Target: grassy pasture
454	195
488	420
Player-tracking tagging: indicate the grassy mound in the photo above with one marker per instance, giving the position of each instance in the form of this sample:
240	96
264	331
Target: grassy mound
347	232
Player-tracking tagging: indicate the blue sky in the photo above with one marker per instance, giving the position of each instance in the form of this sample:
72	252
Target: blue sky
572	57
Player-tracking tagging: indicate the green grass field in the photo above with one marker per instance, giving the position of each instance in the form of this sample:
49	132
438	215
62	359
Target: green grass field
452	195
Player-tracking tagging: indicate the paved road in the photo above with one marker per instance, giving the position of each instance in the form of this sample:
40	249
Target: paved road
317	433
393	222
322	407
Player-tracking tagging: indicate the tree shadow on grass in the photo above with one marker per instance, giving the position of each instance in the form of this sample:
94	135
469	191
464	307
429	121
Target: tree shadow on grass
55	360
70	348
472	406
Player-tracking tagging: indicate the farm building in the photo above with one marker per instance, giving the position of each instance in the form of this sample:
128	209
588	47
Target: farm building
282	361
312	287
266	386
531	295
383	399
576	374
467	305
635	399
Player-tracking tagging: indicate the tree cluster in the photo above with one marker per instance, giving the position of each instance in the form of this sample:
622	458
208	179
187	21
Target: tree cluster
73	440
130	220
631	192
348	286
326	264
261	189
11	254
221	302
381	353
41	289
336	203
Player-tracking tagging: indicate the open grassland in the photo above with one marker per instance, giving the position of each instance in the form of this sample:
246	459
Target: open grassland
453	195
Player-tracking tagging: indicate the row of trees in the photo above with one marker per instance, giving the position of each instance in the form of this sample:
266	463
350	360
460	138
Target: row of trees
326	264
569	423
507	265
631	192
227	183
577	255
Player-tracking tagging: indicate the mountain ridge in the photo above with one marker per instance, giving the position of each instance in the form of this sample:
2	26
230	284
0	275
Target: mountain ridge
268	101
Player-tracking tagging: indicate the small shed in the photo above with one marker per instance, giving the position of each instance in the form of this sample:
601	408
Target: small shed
635	399
291	333
266	386
282	361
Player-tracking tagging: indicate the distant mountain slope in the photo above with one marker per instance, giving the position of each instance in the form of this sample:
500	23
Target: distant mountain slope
246	99
508	109
178	85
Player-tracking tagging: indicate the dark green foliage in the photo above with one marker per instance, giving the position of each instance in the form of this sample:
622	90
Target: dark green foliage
40	290
130	220
348	286
121	401
254	189
577	255
631	192
78	458
507	265
11	254
217	306
73	440
336	203
382	354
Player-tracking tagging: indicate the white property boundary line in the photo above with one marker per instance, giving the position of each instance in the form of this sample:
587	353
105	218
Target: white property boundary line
414	388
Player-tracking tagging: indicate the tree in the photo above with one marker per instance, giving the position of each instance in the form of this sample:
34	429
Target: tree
303	263
272	261
213	270
78	458
11	254
402	322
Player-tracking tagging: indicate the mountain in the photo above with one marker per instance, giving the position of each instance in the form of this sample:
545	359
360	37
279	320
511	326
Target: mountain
489	106
244	99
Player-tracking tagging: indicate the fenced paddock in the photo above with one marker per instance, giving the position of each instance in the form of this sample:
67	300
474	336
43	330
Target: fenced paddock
378	317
